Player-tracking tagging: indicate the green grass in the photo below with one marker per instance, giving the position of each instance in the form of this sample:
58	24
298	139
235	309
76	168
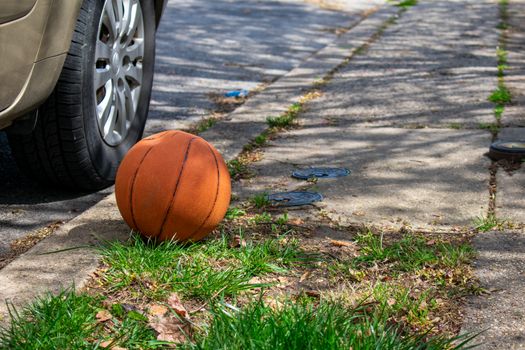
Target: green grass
67	321
303	325
261	140
498	112
456	126
234	213
410	253
500	96
239	169
201	270
404	3
287	119
487	223
492	127
260	200
205	124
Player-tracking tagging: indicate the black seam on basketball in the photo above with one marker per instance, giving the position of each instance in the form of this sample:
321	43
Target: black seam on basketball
216	192
176	186
133	185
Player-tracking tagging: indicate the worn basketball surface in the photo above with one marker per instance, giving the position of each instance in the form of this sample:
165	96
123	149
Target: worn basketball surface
173	185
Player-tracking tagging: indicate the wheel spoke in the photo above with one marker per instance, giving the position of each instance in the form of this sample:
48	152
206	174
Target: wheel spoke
135	18
102	76
131	103
112	16
103	51
135	73
122	112
104	108
136	51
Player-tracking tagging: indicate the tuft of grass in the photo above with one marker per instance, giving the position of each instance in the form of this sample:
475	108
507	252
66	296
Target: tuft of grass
261	140
234	213
201	270
492	127
410	253
303	325
487	223
204	125
404	3
68	321
456	126
500	96
287	119
498	112
239	169
260	200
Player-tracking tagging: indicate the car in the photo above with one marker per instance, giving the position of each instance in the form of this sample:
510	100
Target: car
75	85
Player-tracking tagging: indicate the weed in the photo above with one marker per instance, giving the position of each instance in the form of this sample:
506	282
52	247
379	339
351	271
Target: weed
260	218
410	253
304	325
260	200
500	96
239	169
498	111
234	213
281	122
261	139
487	223
67	321
456	126
405	3
492	127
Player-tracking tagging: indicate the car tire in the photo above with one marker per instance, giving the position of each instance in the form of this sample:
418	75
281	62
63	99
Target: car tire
73	144
509	150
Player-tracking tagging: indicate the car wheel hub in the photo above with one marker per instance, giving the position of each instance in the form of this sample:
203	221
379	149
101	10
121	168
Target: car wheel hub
118	68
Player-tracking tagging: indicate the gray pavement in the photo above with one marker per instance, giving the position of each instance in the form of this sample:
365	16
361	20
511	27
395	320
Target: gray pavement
203	47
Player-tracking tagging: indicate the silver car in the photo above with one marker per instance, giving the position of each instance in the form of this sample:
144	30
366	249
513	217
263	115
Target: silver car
76	79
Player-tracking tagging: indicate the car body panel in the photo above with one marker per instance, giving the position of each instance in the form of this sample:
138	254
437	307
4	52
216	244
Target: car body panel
33	47
36	41
14	9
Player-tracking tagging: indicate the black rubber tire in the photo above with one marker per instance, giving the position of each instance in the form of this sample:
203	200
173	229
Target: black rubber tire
508	150
66	148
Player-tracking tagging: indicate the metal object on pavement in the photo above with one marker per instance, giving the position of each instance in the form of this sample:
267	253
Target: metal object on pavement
305	174
294	198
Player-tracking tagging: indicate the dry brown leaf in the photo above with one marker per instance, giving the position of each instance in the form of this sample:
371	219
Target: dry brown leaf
169	328
313	293
157	310
305	276
431	242
237	242
103	316
106	344
297	221
340	243
391	301
175	303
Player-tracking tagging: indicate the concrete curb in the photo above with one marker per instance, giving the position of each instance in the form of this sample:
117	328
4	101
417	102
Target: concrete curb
69	256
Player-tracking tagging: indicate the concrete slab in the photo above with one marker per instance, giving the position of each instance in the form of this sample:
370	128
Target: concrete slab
500	268
510	197
64	259
427	177
435	67
514	114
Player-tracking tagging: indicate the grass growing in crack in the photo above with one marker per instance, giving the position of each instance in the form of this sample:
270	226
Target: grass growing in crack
201	270
260	200
455	126
287	119
410	253
501	96
68	321
239	169
492	127
303	325
404	3
487	223
204	125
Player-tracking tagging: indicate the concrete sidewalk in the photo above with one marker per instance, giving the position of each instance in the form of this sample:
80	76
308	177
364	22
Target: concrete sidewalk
405	118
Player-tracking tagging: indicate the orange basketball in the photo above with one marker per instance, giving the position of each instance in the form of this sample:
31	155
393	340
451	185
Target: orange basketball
173	185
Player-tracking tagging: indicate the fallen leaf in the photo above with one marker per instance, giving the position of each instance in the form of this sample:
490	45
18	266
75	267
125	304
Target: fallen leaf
305	276
103	316
313	293
391	301
175	303
297	221
431	242
169	328
106	343
340	243
237	242
157	310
